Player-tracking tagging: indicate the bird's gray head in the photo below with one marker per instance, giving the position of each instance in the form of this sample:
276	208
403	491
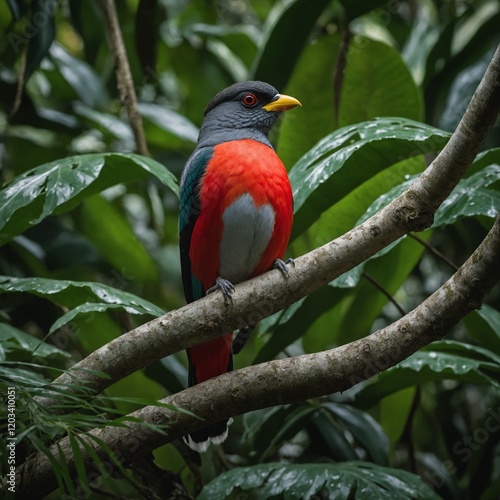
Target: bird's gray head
245	110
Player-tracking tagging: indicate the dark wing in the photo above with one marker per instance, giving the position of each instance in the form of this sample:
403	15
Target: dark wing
188	214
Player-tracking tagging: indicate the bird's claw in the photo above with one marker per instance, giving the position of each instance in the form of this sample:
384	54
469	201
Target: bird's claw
281	266
225	286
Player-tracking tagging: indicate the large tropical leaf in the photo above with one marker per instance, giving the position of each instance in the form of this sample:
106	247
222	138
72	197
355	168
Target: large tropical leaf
20	345
109	231
340	85
286	31
58	186
442	360
365	430
354	154
43	35
166	128
483	326
80	296
267	429
81	77
347	480
471	197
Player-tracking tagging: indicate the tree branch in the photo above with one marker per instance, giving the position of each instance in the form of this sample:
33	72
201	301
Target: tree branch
286	380
123	74
264	295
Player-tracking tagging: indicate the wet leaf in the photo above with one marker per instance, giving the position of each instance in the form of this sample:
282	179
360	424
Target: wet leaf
351	155
58	186
80	296
347	480
443	360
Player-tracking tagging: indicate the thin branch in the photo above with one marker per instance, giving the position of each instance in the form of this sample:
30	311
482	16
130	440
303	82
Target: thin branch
434	250
379	287
287	380
123	74
258	298
338	73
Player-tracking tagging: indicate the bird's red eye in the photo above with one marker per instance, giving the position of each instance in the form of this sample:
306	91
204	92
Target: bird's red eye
249	100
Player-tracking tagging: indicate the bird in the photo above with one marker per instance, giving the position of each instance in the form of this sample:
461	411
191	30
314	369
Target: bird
235	217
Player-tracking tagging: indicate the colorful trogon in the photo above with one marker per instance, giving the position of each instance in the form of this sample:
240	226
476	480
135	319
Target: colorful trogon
236	212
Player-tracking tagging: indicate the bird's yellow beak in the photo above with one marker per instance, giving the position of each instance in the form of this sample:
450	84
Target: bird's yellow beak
282	102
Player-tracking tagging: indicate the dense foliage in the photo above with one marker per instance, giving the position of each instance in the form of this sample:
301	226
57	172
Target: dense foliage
88	233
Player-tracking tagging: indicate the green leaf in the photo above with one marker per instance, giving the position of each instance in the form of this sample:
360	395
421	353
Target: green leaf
15	340
79	463
333	437
81	77
421	41
58	186
311	83
444	360
167	129
27	378
484	159
86	308
359	203
389	270
267	429
44	34
471	198
347	480
87	296
301	315
227	59
16	8
110	125
461	91
376	75
364	150
364	428
483	326
287	29
59	470
111	234
375	82
394	412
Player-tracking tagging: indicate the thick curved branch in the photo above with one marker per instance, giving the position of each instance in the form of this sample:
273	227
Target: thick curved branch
288	380
123	74
260	297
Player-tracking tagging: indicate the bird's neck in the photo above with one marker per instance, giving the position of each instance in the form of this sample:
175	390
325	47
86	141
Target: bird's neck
212	135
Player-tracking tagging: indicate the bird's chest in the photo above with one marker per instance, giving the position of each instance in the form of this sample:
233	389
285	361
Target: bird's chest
245	190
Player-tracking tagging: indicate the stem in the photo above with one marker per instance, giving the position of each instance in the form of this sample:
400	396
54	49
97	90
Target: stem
379	287
123	74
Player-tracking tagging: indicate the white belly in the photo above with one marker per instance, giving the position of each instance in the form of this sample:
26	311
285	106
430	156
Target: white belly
246	234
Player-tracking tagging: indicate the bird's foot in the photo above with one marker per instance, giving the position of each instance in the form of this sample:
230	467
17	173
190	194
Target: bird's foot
281	266
225	286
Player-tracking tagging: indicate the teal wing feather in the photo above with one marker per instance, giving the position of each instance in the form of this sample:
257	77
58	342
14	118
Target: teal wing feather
188	214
